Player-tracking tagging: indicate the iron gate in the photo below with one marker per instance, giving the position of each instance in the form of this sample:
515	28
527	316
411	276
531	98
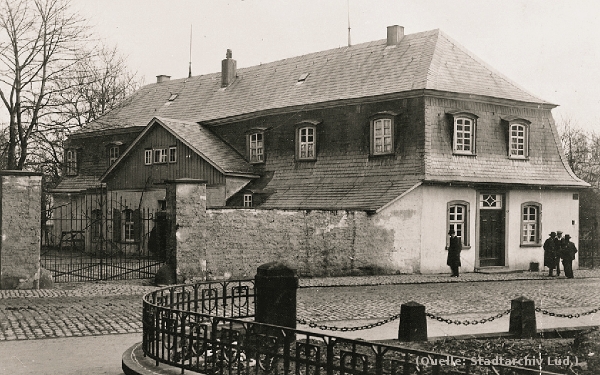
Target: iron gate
99	235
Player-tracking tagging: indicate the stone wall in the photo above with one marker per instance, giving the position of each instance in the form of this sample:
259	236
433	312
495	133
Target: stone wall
234	242
20	229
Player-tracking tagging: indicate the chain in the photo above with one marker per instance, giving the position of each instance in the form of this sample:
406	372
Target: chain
570	316
468	322
347	329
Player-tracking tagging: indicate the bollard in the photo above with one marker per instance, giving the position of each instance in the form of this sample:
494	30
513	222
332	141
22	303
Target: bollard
276	286
522	318
413	323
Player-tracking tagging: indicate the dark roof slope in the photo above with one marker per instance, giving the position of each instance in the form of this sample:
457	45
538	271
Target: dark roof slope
425	60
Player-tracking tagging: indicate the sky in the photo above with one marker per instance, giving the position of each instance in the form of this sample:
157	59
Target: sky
549	47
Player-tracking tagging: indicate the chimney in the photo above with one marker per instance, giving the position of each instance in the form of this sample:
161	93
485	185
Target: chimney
228	70
162	78
394	34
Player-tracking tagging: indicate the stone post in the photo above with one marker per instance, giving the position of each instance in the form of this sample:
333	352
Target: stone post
20	229
186	206
275	287
522	318
413	324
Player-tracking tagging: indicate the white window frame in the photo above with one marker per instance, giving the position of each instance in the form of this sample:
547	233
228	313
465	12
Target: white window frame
71	162
256	147
160	156
247	200
518	135
457	218
113	154
128	229
494	201
382	136
173	154
530	224
307	143
461	143
147	157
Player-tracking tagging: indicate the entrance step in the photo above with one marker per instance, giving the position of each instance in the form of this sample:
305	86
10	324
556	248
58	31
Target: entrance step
496	270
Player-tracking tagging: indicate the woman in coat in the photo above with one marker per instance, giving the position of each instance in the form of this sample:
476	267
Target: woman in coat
454	253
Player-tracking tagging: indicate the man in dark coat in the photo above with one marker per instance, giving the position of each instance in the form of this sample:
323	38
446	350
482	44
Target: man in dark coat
568	255
559	243
454	253
550	254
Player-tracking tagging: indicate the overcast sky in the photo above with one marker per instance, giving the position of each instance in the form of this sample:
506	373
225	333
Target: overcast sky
549	47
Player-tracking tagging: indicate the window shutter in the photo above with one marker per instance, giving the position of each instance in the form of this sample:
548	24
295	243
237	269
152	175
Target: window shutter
137	225
116	225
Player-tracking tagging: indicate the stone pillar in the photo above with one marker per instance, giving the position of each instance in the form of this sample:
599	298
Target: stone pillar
186	205
522	318
413	324
20	229
275	286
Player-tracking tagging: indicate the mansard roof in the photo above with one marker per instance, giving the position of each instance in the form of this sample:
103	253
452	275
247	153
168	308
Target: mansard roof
427	60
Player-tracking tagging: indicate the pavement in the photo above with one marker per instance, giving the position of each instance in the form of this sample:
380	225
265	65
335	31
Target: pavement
83	324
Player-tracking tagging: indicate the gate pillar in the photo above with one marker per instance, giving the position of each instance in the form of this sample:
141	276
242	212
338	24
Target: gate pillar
186	247
20	229
275	285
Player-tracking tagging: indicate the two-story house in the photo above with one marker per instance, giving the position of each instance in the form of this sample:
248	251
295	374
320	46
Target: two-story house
413	130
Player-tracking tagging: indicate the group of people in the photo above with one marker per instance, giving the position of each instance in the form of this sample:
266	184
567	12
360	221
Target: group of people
556	248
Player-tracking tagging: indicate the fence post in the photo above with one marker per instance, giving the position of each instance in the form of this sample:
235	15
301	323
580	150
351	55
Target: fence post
413	324
275	287
522	318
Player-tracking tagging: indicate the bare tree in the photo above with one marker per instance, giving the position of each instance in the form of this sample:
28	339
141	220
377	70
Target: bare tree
40	41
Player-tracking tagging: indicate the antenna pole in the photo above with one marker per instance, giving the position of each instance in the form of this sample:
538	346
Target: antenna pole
349	42
190	70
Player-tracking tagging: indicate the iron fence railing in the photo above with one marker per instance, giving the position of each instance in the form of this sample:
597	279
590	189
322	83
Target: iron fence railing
203	328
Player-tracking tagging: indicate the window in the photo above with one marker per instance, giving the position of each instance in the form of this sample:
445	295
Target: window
490	201
256	148
96	224
382	136
172	154
148	157
113	154
306	143
160	155
517	141
458	220
247	200
128	226
71	162
530	224
464	136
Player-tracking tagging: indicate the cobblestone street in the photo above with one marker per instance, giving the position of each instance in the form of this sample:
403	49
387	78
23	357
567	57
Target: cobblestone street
112	308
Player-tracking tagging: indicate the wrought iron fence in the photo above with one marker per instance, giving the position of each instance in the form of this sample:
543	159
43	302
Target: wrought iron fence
99	235
186	326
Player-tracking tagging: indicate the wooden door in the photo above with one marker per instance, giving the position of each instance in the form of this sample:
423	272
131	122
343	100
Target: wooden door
491	236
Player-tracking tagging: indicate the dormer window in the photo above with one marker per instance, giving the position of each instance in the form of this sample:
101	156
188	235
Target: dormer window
113	154
464	133
306	143
382	136
256	147
71	162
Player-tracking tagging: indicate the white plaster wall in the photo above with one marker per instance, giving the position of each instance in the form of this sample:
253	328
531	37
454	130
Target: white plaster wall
434	232
403	217
559	212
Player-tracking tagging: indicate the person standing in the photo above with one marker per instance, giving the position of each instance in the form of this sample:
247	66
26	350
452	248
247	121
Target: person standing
454	250
568	255
558	248
550	254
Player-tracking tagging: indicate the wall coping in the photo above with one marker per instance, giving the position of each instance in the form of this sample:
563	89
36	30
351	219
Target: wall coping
19	173
186	181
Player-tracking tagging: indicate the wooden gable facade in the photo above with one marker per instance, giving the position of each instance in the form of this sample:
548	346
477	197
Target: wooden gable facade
135	172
